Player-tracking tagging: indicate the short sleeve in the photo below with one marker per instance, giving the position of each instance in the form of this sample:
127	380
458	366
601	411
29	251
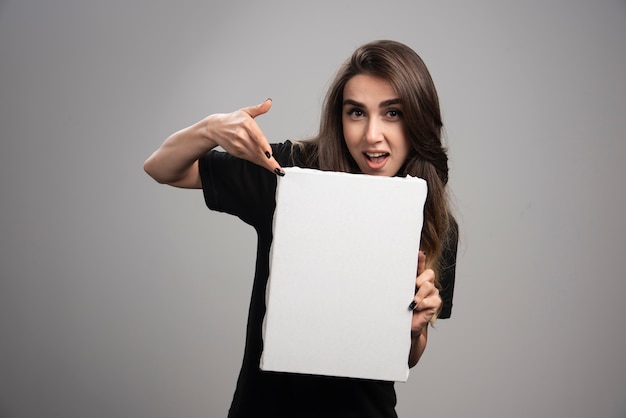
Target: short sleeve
447	270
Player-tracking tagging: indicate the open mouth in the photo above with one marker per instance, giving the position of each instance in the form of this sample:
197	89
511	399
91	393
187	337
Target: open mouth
376	157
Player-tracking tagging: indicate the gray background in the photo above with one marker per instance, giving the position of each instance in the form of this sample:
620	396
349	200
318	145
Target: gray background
120	297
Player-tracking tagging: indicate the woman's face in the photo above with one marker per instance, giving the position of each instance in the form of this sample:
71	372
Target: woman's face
373	125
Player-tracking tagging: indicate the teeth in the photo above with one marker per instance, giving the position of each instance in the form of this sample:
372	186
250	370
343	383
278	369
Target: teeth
375	154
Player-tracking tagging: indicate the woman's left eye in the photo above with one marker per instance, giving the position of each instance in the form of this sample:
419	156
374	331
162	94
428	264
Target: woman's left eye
394	113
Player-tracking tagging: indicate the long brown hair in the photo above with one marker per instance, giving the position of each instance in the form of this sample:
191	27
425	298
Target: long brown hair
411	80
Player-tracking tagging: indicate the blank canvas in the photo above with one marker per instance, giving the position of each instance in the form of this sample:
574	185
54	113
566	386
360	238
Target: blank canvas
342	274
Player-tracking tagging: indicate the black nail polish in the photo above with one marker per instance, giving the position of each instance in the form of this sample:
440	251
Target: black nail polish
268	155
412	305
279	172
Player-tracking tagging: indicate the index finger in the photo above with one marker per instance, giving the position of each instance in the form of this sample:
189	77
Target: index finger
266	158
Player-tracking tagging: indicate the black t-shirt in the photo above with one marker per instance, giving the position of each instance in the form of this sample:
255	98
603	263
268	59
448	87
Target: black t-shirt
243	189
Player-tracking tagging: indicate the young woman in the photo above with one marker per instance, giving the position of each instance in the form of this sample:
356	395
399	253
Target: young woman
381	117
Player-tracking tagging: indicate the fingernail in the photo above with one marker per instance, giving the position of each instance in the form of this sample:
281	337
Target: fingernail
279	172
268	155
269	98
412	305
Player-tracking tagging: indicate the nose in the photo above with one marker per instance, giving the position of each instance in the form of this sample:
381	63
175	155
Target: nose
374	132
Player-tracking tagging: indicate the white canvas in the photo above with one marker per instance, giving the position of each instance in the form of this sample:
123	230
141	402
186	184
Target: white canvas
342	274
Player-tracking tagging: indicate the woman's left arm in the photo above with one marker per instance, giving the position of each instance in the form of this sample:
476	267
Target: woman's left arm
418	345
425	305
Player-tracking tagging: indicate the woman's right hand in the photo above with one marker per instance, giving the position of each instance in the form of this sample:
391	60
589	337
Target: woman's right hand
240	135
175	162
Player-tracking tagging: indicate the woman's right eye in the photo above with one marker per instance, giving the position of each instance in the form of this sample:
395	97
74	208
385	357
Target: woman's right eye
355	113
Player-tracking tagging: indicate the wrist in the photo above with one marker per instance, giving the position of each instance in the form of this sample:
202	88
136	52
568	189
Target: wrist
205	130
415	335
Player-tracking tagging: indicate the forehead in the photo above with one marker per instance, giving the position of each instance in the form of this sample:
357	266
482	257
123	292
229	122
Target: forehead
367	88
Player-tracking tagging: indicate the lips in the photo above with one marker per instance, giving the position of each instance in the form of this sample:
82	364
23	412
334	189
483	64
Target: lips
375	160
376	157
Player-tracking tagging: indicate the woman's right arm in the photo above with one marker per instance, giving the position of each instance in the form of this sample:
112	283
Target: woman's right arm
175	162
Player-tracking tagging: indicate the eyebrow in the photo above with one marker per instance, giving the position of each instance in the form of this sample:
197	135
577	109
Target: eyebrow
382	104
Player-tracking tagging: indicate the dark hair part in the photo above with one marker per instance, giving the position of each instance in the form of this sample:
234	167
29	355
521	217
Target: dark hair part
411	80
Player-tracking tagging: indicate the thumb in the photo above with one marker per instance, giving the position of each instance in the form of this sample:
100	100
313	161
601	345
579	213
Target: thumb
259	109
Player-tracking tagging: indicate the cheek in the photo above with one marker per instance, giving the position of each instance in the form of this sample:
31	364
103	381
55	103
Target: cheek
406	145
350	134
352	140
403	142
